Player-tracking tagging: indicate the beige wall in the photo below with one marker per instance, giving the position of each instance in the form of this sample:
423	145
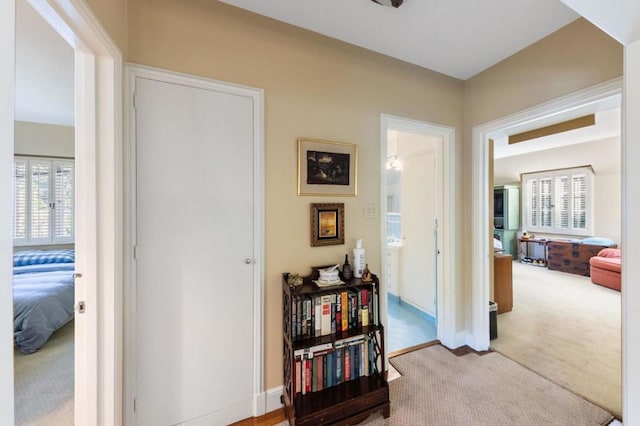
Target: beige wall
43	139
315	87
573	58
321	88
112	14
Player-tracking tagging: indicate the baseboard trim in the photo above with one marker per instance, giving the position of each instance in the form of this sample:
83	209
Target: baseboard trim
273	399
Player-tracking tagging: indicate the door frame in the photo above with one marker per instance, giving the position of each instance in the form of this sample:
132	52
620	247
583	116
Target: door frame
98	137
134	71
446	286
583	102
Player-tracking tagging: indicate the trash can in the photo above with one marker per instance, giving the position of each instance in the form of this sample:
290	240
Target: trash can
493	320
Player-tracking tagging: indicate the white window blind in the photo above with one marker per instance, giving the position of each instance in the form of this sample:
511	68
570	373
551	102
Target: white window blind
63	208
579	198
562	201
20	200
559	201
546	204
531	199
43	201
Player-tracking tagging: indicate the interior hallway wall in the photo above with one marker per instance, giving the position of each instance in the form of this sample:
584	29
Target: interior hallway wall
315	87
575	57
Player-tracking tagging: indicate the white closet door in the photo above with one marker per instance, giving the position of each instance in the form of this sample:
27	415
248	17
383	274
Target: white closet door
195	239
418	221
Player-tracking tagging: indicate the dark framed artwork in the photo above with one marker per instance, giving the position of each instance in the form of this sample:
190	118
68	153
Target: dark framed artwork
327	224
327	168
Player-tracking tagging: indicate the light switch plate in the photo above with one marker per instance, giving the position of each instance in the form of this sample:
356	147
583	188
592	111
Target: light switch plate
370	211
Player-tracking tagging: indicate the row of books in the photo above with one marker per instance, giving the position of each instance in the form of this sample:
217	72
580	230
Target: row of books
321	315
323	366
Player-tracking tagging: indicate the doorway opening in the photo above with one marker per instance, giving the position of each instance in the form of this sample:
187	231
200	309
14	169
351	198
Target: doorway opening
414	231
98	220
555	300
43	222
597	100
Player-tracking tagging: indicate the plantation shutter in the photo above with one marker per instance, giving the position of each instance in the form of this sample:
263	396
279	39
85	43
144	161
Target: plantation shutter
43	209
20	200
579	201
40	185
559	201
561	194
531	201
546	203
63	204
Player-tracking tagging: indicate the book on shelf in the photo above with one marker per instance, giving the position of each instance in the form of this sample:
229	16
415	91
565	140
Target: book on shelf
294	318
317	316
345	310
333	312
325	320
338	315
364	307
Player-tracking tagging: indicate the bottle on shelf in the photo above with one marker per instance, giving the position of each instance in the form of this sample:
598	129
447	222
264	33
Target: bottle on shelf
346	268
358	260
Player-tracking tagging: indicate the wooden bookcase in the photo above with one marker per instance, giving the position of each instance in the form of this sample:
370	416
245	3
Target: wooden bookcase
335	399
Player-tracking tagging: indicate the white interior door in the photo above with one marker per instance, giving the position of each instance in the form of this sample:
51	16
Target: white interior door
418	222
195	242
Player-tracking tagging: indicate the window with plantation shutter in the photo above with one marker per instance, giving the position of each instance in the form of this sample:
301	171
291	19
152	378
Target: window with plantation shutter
579	201
561	195
43	201
20	200
63	211
559	201
531	199
546	205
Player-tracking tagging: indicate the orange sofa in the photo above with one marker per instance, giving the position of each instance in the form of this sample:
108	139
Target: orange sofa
605	268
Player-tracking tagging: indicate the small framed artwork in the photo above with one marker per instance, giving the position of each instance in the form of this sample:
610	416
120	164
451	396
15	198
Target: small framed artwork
327	168
327	224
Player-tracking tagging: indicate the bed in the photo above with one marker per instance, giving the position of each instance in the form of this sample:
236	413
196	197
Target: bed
43	295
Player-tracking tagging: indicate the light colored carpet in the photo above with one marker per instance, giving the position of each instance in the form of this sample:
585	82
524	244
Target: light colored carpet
440	388
568	330
44	382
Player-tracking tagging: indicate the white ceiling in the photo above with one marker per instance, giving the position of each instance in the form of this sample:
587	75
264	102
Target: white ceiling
459	38
44	71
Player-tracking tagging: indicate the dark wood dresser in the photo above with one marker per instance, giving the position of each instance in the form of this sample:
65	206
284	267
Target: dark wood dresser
571	256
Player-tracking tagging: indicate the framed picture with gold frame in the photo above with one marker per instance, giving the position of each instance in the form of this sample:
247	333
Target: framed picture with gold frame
327	168
327	224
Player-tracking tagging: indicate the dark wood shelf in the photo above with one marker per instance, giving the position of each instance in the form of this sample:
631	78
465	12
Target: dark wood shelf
342	396
332	338
349	402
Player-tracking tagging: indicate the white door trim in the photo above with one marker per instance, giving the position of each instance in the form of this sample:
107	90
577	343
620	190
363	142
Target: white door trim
601	96
447	283
98	386
7	88
134	71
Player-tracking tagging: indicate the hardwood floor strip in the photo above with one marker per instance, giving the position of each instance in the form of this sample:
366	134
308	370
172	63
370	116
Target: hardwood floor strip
269	419
413	348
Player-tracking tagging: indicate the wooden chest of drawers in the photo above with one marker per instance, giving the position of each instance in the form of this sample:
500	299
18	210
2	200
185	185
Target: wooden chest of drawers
572	257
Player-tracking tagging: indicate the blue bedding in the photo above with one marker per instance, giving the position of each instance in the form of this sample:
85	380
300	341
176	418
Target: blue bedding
43	297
